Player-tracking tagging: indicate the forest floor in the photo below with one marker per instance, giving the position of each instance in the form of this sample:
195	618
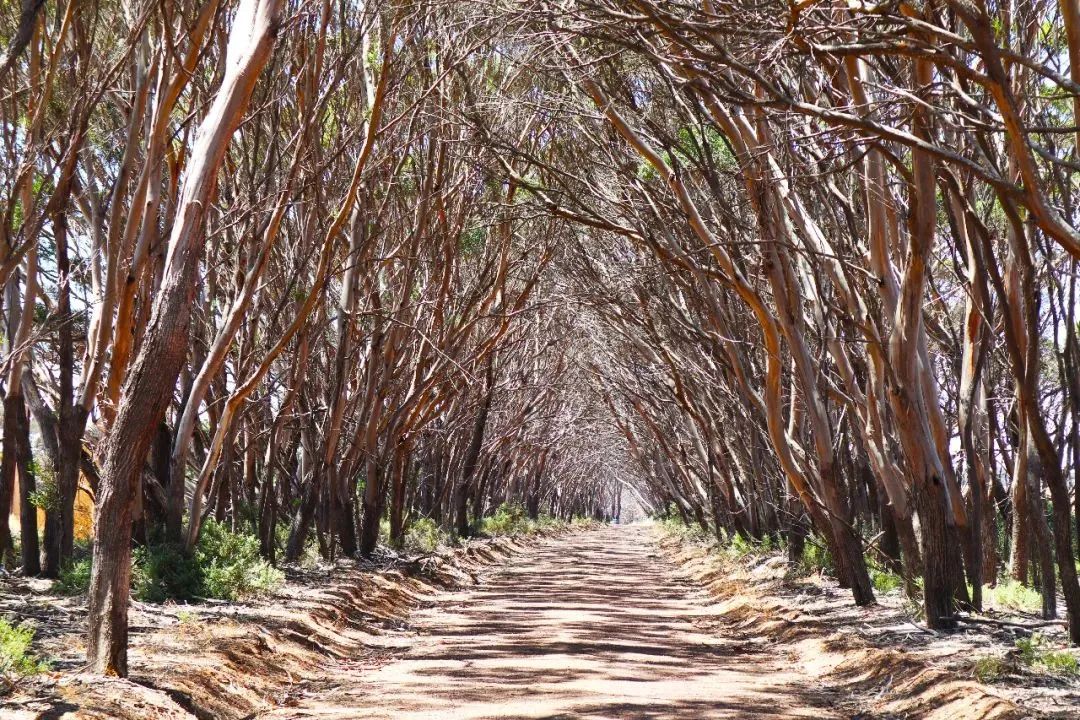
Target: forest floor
613	622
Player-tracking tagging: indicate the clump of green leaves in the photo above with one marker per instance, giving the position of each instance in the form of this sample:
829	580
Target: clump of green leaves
672	523
989	668
739	547
1037	653
165	572
513	519
225	566
423	536
816	558
509	519
885	581
46	493
231	565
74	577
1013	595
16	661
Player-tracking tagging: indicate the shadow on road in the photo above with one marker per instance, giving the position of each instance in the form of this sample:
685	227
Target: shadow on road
588	626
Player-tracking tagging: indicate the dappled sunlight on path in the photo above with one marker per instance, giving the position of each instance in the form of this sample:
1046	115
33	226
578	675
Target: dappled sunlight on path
594	625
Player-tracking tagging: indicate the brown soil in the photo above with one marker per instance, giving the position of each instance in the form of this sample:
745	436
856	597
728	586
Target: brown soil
231	661
590	626
880	664
616	622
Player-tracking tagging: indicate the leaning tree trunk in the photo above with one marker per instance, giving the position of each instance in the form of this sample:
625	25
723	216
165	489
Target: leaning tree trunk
149	388
468	465
935	504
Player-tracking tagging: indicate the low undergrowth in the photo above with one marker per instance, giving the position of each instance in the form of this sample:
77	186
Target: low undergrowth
226	565
513	519
424	535
1037	653
16	660
1009	594
1006	594
1033	654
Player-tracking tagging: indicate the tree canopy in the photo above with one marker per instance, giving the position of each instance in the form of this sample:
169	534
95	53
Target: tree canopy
313	268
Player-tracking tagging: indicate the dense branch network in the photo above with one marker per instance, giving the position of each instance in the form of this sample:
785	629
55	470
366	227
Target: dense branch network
310	268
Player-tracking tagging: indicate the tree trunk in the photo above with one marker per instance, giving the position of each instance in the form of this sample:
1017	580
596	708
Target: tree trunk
28	512
472	454
149	387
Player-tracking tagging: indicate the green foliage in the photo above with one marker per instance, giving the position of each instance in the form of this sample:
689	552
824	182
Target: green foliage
165	572
671	521
46	494
1013	595
740	548
1035	653
885	581
231	565
513	519
74	577
817	558
225	566
509	519
16	662
645	171
423	536
706	143
989	669
472	241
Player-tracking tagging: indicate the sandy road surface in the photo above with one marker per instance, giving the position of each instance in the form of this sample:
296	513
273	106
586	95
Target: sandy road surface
592	625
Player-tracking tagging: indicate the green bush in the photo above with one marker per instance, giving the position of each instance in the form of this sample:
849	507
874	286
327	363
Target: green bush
817	558
384	532
225	566
423	536
741	548
989	669
165	572
1035	653
16	662
885	581
673	524
509	519
550	522
74	577
1013	595
46	493
231	565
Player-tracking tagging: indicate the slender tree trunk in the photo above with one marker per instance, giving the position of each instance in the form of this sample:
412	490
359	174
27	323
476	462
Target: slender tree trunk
149	387
28	512
472	454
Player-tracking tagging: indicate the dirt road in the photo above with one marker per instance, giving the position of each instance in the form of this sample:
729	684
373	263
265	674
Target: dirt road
594	625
